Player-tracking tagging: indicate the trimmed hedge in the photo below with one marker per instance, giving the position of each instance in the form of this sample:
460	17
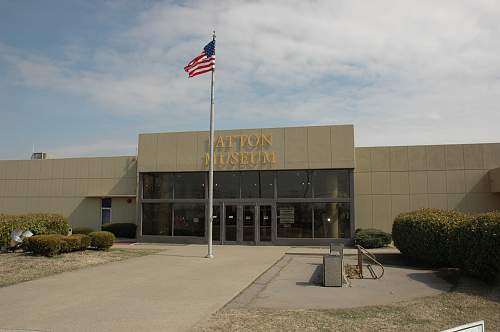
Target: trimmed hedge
122	229
102	240
84	241
55	244
38	223
425	234
450	238
45	245
475	246
83	230
371	238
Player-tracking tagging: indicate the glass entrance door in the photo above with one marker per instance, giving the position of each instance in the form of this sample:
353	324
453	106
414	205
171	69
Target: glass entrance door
248	223
265	223
230	222
216	223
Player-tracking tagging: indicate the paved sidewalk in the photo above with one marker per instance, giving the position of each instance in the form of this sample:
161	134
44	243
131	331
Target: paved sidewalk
168	291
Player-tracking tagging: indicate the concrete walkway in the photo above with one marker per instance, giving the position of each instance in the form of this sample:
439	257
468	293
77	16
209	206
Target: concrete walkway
295	282
168	291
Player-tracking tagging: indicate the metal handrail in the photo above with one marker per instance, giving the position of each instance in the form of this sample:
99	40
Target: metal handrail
363	252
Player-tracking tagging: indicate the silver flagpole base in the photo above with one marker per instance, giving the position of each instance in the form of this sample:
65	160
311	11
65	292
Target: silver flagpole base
209	256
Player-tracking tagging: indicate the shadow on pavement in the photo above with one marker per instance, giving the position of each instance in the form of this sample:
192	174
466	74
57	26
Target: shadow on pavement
316	278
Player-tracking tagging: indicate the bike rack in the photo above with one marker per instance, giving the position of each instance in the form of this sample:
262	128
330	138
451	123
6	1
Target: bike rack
372	261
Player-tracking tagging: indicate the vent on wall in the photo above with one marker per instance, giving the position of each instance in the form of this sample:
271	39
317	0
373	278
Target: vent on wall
38	155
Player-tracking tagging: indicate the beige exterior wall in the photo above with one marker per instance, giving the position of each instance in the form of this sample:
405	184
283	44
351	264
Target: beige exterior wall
495	180
276	148
72	187
391	180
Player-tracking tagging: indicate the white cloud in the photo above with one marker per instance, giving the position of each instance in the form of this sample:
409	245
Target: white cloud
403	72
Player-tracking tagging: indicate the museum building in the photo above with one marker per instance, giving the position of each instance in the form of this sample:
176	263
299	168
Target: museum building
296	185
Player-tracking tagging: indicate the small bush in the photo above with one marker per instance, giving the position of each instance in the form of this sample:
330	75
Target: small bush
371	238
127	230
45	245
83	230
84	241
38	223
70	243
55	244
102	240
425	234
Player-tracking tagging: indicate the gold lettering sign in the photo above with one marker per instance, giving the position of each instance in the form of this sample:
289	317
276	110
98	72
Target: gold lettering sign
242	150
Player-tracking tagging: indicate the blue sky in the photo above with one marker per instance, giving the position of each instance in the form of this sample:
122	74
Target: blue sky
83	78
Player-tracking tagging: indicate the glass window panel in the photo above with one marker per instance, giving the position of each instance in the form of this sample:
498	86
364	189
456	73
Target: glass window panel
226	185
265	223
156	219
332	220
231	215
105	216
189	185
106	202
250	184
157	185
331	183
294	220
266	184
248	223
189	220
216	223
294	184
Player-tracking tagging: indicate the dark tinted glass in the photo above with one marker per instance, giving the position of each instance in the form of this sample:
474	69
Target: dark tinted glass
106	202
294	184
331	183
227	185
156	219
332	220
266	184
189	220
250	184
216	223
157	185
189	185
231	222
265	223
105	216
294	220
248	223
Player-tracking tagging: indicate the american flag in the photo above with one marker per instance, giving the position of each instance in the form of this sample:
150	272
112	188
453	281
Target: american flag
202	63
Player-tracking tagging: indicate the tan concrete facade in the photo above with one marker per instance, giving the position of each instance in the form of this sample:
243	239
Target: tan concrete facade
391	180
495	180
72	187
271	148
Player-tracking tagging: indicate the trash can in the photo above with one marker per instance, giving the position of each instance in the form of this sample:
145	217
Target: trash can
333	265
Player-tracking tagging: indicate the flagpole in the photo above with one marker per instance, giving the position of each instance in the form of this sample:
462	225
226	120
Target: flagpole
211	166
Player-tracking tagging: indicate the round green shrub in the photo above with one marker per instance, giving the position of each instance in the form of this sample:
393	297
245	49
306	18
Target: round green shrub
425	234
72	243
102	240
84	241
123	229
44	245
475	246
371	238
83	230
